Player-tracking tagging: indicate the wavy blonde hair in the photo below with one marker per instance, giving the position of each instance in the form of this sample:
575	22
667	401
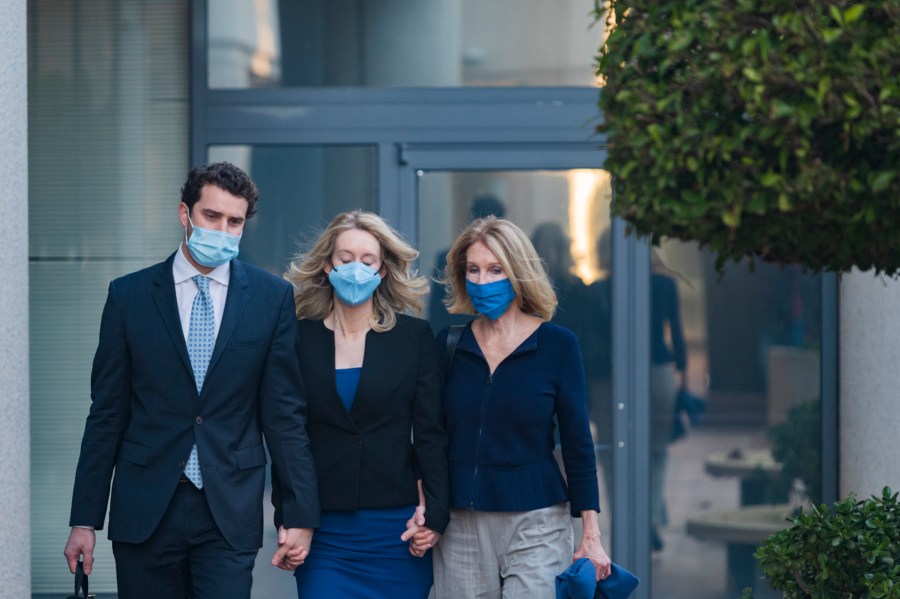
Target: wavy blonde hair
517	256
401	289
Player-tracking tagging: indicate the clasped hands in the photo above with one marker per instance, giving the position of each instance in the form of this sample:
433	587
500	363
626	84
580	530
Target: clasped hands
420	537
293	543
293	547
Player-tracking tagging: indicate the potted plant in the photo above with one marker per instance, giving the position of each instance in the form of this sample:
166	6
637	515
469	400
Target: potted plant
800	459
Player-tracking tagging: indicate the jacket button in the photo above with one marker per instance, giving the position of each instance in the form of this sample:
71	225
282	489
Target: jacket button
182	464
199	420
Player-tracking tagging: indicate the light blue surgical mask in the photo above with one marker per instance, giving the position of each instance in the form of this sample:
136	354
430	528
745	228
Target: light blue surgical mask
491	299
354	282
211	248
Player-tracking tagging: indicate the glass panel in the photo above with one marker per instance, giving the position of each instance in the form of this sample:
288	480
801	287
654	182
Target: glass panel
301	188
565	213
266	43
747	345
108	143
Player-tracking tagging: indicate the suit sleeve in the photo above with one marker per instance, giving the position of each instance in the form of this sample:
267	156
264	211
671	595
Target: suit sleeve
283	407
107	420
429	434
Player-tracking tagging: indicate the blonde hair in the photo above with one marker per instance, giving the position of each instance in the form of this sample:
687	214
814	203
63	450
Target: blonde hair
517	257
401	290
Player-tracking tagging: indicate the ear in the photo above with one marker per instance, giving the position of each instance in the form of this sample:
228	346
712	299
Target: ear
328	266
183	214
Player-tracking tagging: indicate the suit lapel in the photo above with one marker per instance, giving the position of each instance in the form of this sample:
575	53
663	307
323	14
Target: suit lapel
370	368
164	296
236	301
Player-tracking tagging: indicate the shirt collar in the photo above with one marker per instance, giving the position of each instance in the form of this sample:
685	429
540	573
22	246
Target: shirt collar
183	270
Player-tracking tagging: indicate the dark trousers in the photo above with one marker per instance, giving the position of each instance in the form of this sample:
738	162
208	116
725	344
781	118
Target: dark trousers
185	558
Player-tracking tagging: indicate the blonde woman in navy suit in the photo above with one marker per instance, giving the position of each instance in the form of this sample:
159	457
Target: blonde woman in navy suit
375	421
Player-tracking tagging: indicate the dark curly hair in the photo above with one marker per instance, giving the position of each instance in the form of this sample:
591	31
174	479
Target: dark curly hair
225	176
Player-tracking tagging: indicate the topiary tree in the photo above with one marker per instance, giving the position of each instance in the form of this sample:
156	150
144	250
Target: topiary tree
765	129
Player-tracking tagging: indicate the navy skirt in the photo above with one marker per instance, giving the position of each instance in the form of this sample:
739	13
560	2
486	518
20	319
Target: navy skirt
360	555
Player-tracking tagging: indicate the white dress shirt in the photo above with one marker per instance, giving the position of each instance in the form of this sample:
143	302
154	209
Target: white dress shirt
186	290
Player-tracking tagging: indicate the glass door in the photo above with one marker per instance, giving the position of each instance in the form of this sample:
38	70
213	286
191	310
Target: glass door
560	198
565	213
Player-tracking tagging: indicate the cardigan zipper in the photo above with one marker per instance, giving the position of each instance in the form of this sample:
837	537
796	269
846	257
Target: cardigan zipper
484	399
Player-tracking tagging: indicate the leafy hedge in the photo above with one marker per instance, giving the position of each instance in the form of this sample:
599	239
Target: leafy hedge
760	128
851	550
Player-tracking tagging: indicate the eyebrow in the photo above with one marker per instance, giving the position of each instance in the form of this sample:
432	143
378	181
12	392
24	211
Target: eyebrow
366	255
212	213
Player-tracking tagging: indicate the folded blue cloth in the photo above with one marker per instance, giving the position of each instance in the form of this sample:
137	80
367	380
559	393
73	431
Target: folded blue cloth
579	581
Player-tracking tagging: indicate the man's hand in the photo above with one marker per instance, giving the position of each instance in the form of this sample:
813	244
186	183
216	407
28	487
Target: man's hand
80	544
293	547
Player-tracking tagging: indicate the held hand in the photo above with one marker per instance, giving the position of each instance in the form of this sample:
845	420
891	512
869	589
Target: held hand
80	544
420	537
415	521
423	540
592	549
293	547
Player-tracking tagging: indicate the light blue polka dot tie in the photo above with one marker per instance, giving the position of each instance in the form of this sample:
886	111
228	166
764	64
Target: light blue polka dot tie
201	338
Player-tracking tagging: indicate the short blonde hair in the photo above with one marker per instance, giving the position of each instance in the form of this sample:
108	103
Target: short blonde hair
517	256
401	290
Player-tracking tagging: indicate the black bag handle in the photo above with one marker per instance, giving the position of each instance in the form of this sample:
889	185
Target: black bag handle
81	582
453	334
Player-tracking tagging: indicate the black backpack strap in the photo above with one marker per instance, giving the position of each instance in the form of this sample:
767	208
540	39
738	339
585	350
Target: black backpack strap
453	335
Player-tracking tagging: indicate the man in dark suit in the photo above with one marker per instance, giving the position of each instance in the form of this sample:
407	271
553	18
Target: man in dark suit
195	364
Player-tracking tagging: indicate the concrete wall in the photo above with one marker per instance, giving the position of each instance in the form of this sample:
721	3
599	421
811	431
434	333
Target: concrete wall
15	538
869	383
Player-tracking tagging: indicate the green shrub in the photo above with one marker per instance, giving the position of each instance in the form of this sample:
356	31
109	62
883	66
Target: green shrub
765	129
795	445
851	551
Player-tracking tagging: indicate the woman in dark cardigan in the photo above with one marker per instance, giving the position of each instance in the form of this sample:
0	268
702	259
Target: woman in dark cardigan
511	373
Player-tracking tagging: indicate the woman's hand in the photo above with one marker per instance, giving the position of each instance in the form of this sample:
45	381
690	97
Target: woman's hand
591	547
420	537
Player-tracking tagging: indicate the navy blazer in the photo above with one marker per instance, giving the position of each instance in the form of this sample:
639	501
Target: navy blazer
146	413
370	457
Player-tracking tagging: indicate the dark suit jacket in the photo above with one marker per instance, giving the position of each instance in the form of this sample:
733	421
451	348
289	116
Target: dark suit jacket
366	458
146	413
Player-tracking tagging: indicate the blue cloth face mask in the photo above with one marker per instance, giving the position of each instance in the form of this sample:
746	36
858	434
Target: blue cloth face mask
354	282
491	299
211	248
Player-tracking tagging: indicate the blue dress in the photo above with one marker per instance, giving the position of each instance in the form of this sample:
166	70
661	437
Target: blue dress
359	555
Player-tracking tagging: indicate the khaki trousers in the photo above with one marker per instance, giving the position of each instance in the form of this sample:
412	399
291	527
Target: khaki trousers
503	555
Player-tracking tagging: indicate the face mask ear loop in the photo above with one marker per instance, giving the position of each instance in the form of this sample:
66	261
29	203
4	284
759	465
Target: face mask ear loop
189	222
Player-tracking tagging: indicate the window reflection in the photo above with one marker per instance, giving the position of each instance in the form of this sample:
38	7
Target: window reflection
260	43
751	353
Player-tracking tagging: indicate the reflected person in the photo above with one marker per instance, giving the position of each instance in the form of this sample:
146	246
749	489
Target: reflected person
375	421
554	247
666	357
511	373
